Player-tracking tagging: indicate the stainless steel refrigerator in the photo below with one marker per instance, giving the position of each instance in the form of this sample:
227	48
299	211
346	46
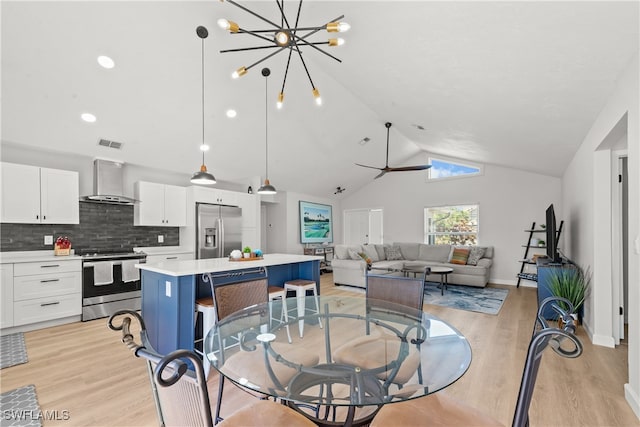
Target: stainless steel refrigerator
218	230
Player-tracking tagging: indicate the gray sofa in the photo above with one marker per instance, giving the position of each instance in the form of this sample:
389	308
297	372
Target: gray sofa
347	270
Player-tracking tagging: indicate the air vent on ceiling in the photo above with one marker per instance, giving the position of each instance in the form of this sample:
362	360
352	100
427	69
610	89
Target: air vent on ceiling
111	144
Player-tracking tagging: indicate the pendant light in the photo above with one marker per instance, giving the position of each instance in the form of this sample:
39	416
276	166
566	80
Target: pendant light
202	176
267	188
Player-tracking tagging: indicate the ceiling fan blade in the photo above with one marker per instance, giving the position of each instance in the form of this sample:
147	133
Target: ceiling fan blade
383	171
371	167
409	168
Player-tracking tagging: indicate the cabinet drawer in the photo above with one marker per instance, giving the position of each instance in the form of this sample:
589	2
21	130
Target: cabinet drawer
169	257
42	309
46	285
29	268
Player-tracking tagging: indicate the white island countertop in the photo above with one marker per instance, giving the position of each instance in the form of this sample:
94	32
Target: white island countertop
216	265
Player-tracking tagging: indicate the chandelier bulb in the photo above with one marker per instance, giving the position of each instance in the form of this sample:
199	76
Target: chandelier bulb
239	73
338	27
231	26
343	27
316	95
280	101
336	42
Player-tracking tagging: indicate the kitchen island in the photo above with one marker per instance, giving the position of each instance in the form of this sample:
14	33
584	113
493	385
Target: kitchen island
170	288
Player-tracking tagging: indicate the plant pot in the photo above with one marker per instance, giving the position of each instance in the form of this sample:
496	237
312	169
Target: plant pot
246	255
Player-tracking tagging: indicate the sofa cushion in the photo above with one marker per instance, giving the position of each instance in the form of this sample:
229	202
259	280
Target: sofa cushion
460	256
408	250
434	253
469	270
489	252
387	264
353	254
392	253
380	250
371	252
342	251
475	253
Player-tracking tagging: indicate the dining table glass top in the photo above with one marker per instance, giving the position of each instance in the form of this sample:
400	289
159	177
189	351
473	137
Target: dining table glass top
354	352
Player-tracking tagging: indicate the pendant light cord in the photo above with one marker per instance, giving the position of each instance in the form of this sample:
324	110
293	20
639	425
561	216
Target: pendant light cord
266	129
201	148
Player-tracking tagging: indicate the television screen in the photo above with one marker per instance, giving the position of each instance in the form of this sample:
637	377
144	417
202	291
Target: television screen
552	244
316	223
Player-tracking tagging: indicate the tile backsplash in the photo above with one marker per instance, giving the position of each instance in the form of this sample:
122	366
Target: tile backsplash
102	227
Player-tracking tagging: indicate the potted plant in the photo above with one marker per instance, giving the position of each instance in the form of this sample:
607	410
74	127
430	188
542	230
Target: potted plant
573	284
247	252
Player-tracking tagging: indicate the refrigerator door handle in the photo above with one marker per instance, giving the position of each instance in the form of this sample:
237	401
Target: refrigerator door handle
221	237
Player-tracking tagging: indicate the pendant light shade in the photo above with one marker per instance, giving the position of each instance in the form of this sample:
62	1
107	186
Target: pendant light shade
202	176
266	188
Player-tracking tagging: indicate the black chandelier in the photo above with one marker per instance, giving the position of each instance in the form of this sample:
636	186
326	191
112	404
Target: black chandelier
282	37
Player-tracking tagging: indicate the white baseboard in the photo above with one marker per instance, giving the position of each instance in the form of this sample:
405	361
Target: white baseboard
632	399
603	340
524	283
40	325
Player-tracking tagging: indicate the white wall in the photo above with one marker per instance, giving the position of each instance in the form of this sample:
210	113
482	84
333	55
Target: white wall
283	221
586	184
510	200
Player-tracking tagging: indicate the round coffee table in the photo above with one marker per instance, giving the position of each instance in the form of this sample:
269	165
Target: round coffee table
444	273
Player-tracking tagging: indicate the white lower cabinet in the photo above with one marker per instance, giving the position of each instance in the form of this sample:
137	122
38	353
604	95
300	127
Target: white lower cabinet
6	295
44	291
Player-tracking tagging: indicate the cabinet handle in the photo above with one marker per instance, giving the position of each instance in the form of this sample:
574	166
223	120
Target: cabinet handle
49	303
49	280
50	266
172	257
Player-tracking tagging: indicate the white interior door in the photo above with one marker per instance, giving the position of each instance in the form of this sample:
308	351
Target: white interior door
356	227
375	227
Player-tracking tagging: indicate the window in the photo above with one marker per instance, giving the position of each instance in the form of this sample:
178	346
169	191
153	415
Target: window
451	225
442	169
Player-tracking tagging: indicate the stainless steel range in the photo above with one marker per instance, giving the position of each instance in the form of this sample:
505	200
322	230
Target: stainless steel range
110	282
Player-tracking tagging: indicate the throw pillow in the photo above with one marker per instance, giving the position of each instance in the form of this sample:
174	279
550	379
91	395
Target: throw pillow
475	253
460	256
392	253
371	252
353	254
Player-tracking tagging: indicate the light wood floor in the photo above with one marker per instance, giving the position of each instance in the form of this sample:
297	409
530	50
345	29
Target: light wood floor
84	369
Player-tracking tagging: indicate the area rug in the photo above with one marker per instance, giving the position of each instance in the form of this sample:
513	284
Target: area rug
20	407
482	300
12	350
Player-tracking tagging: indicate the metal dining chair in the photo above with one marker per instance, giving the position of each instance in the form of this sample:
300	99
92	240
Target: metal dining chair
440	410
386	293
180	391
233	297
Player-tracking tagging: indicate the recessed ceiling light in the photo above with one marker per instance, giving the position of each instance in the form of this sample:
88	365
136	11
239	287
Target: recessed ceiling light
204	147
419	127
364	140
88	117
231	113
106	62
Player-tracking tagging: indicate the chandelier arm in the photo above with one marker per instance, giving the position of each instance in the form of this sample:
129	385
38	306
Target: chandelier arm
255	34
253	13
305	66
313	45
286	71
242	49
265	58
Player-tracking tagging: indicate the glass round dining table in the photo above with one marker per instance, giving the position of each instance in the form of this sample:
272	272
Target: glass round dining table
356	355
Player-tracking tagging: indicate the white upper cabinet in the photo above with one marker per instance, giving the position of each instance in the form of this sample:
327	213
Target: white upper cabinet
250	204
35	195
160	205
214	196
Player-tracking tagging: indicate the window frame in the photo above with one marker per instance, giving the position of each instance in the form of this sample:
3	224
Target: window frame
453	161
427	234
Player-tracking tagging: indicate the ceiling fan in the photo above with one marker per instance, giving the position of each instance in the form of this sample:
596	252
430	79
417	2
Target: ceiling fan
387	168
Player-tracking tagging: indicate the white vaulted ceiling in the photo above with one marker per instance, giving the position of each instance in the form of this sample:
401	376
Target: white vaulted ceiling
509	83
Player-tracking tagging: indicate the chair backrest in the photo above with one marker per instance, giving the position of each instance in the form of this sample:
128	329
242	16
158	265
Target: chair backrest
180	394
405	291
562	341
232	297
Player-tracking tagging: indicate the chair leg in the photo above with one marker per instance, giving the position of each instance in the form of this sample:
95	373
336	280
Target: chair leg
315	297
220	389
285	315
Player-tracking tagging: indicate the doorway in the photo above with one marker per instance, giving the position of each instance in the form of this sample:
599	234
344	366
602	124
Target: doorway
363	226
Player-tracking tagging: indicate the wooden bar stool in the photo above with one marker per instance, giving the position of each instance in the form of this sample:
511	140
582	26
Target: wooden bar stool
276	292
207	308
301	286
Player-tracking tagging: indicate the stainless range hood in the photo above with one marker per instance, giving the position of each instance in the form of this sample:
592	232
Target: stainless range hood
108	184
